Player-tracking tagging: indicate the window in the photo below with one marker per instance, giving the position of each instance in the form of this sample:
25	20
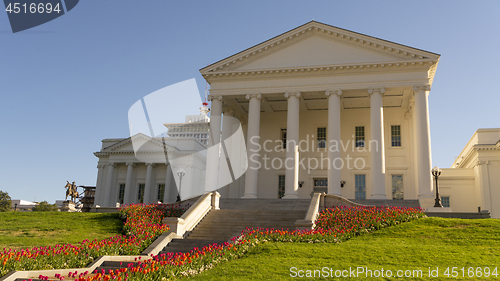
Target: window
396	135
360	186
140	194
445	201
121	193
320	185
161	192
397	187
283	138
281	186
322	137
360	136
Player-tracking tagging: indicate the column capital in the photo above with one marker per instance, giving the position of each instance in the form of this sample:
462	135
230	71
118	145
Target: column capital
479	163
111	164
419	88
99	166
291	94
375	90
211	98
257	96
150	164
130	164
328	93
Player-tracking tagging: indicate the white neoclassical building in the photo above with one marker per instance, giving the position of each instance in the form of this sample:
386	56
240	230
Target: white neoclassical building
356	106
323	109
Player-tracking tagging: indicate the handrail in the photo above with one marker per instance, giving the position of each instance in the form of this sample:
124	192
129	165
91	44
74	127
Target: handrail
183	225
318	203
312	213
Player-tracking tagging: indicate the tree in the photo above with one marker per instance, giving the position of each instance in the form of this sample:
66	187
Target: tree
44	206
5	202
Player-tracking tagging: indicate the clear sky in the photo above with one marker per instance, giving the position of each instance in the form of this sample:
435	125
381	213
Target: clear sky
69	83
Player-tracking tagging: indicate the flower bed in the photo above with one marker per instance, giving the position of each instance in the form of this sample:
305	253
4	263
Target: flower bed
333	225
142	225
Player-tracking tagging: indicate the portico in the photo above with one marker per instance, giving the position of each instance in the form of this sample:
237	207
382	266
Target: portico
336	106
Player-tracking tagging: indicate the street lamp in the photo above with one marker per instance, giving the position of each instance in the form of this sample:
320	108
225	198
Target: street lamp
436	172
180	174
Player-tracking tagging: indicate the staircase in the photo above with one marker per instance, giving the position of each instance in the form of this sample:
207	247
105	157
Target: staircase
397	203
219	226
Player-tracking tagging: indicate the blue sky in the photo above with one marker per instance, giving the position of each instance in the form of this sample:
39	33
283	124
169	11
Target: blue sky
69	83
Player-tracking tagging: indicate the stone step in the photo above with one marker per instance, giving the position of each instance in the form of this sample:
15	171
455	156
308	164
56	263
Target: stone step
186	245
397	203
265	204
243	220
235	216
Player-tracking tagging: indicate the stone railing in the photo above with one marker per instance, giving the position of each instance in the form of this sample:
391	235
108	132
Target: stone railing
183	225
318	203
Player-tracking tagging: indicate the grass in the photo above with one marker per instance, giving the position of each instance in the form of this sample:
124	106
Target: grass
417	245
33	229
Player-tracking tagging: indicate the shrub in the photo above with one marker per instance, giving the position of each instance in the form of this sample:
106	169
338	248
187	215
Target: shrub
5	202
44	206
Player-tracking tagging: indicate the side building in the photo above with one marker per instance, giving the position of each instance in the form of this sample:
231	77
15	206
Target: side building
124	179
473	182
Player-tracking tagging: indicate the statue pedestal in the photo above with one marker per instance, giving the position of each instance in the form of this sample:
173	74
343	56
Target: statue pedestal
68	206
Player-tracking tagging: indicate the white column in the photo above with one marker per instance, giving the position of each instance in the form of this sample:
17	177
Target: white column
128	183
99	192
292	139
333	136
423	142
253	139
148	188
376	144
168	197
106	202
212	166
227	126
483	180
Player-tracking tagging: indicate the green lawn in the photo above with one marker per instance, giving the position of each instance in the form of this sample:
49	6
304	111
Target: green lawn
417	245
30	229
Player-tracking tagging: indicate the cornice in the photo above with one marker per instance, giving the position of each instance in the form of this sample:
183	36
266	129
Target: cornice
316	28
337	69
484	147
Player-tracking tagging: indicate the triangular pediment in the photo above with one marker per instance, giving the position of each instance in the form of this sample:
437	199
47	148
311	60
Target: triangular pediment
316	50
144	142
317	44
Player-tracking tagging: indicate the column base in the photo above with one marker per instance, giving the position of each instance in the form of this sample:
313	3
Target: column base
290	196
379	197
249	196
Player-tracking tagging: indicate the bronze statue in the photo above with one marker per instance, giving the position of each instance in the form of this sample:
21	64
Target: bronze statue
71	192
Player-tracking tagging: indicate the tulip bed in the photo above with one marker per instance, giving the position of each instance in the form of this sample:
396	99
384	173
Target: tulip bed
333	225
142	225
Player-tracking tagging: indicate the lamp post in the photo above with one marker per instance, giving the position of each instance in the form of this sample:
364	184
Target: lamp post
180	174
436	172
